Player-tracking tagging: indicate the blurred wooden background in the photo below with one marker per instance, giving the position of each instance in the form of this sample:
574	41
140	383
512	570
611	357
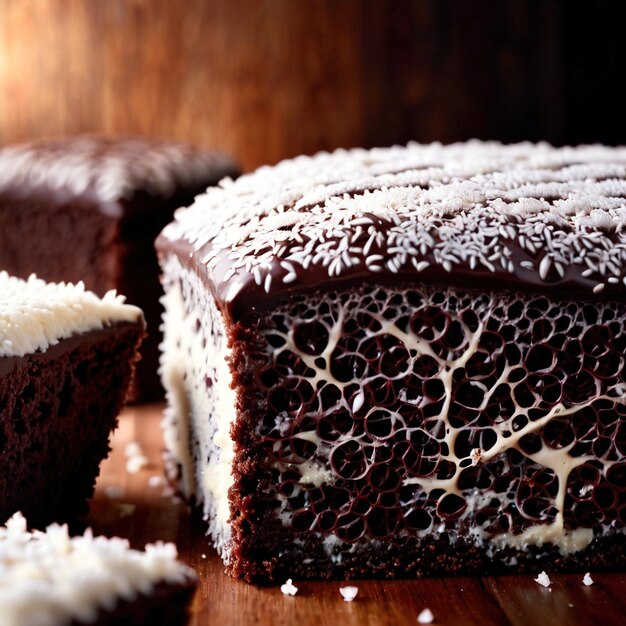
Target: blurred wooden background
268	79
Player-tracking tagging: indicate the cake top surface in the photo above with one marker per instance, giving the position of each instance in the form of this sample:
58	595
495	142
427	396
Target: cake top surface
35	315
522	214
109	169
50	579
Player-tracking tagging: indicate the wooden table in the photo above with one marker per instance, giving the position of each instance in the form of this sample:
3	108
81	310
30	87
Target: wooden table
143	513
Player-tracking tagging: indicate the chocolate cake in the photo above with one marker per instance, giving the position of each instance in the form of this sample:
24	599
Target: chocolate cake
51	578
66	361
404	361
89	208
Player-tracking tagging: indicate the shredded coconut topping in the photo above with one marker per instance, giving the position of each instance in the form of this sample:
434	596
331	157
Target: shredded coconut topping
110	168
35	315
587	580
51	578
526	210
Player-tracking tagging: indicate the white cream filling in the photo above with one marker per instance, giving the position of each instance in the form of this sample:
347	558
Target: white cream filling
198	418
35	315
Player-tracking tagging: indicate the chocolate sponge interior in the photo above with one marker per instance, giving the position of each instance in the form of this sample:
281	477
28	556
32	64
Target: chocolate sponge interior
402	416
57	410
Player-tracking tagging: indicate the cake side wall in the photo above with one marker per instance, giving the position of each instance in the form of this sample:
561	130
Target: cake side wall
55	421
431	420
200	402
35	238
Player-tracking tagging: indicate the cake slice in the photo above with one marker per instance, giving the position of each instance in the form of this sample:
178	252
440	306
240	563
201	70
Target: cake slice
404	361
66	361
51	579
88	209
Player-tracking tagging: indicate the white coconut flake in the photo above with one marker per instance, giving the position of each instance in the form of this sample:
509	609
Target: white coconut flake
348	593
543	579
156	481
288	588
426	617
587	580
136	460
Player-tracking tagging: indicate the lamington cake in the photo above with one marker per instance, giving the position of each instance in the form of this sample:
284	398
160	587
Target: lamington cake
51	579
66	361
404	361
88	209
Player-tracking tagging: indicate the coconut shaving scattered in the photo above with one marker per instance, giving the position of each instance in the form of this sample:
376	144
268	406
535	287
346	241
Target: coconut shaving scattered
289	589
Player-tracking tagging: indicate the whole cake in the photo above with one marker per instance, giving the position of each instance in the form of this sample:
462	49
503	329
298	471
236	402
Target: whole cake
88	209
51	579
404	361
66	361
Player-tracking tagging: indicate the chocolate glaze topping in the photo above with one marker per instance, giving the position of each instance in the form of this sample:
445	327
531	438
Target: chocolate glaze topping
524	216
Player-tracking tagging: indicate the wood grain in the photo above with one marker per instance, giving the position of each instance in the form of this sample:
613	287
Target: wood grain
268	79
506	601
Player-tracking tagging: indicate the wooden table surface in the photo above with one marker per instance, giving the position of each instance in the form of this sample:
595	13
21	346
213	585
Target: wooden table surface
141	511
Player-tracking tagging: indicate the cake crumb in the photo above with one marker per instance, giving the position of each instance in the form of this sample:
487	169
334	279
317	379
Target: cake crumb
476	455
289	589
156	481
426	617
348	593
136	460
126	509
587	580
113	492
543	579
